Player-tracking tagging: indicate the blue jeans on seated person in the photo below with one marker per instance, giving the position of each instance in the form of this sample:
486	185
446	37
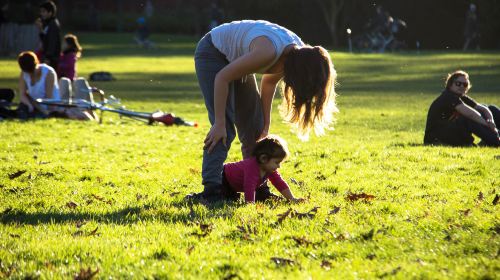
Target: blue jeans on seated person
488	136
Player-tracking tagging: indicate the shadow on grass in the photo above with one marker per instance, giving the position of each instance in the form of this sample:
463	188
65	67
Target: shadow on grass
128	215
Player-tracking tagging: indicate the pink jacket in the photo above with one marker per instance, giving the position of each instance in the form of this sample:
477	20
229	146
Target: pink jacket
244	176
67	65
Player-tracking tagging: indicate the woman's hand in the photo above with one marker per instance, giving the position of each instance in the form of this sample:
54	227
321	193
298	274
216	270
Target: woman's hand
216	133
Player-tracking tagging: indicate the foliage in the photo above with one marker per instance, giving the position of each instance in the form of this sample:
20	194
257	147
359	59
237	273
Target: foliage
82	200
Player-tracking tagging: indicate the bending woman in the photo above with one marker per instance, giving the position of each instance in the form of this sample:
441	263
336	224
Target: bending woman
226	61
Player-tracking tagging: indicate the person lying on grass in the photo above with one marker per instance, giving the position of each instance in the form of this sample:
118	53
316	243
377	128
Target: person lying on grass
453	117
248	175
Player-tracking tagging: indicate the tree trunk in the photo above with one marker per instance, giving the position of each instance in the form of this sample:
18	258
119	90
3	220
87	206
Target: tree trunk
331	9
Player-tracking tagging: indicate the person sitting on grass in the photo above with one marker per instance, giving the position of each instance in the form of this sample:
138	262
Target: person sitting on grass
67	61
36	81
248	175
453	117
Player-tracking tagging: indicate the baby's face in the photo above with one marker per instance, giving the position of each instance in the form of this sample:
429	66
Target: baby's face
272	164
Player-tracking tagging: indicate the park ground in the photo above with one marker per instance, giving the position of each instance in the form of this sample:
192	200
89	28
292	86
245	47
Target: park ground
82	199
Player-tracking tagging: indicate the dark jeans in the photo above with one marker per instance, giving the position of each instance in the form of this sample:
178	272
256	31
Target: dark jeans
488	137
21	112
243	111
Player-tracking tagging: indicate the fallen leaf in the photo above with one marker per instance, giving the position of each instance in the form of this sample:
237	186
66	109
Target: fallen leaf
79	224
298	183
495	200
86	274
465	212
480	196
357	196
72	205
94	232
283	216
232	276
100	198
321	177
190	249
302	241
282	261
368	235
205	230
326	264
334	211
16	174
389	273
194	171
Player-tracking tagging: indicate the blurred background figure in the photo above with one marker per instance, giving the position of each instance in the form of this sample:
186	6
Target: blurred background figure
148	9
142	34
382	32
70	54
216	16
50	34
471	30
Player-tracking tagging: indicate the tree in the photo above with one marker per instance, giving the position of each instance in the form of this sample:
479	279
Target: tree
331	11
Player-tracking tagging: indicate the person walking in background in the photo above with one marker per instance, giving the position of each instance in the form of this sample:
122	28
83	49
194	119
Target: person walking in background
226	59
142	34
471	30
67	61
50	34
453	117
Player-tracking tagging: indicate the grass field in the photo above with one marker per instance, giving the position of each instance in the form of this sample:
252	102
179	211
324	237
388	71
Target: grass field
78	198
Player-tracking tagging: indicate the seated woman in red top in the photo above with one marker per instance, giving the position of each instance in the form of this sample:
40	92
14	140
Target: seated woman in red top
67	61
248	175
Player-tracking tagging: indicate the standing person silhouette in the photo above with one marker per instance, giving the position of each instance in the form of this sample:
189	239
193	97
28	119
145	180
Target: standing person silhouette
226	60
471	30
50	34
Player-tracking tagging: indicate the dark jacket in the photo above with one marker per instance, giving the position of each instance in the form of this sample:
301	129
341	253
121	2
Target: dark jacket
51	41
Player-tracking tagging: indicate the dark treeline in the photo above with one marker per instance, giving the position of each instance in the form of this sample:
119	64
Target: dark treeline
436	24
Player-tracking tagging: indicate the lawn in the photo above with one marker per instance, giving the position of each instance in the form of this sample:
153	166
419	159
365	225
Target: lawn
81	198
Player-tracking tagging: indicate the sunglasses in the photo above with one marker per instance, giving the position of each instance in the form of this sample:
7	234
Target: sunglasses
460	84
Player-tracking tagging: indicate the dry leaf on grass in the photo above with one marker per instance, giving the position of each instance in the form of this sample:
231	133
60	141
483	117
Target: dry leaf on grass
72	205
359	196
283	261
16	174
465	212
326	264
294	214
334	211
205	230
86	274
480	196
495	200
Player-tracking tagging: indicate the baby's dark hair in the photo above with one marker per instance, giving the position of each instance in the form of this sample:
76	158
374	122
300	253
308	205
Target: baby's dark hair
271	146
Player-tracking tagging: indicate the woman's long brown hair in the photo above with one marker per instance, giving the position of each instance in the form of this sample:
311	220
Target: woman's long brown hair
309	90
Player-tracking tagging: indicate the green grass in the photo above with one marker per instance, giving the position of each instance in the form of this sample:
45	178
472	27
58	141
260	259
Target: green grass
432	215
